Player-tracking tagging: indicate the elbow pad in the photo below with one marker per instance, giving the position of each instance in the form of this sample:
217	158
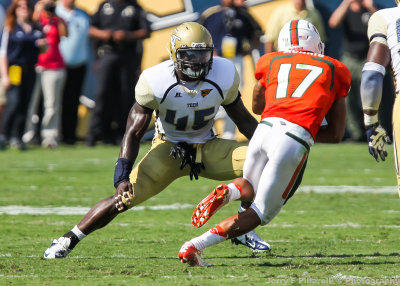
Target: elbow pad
371	85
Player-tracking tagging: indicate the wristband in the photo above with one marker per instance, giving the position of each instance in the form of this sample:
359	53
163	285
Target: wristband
370	119
123	168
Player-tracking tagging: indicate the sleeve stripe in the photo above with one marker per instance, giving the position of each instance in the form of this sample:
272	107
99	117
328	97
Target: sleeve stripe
377	36
147	110
235	101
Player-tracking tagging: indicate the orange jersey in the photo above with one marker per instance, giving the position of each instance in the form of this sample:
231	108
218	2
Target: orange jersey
301	86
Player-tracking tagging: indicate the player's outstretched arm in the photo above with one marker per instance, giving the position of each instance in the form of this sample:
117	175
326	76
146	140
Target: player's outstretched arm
245	122
137	123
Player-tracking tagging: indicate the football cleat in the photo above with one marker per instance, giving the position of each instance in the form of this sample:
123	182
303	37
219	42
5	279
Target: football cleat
252	241
58	249
189	254
210	205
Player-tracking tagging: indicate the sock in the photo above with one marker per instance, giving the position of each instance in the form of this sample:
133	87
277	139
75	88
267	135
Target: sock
75	235
235	191
213	236
78	233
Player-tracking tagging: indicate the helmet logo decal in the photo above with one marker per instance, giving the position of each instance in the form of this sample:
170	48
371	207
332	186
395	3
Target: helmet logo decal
174	38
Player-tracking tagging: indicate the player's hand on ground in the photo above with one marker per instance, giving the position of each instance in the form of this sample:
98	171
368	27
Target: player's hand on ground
123	196
377	139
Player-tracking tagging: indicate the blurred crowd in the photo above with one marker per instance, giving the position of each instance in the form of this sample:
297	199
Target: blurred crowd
48	48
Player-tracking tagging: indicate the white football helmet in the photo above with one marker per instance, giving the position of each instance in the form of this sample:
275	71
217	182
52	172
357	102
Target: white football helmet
300	35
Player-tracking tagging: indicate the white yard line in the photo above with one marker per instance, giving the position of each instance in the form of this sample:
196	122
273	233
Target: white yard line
80	210
348	189
50	210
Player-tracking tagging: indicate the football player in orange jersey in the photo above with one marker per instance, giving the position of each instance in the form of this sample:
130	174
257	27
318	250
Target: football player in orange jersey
297	87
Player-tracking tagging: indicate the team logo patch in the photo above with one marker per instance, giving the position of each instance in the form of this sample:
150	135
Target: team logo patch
205	92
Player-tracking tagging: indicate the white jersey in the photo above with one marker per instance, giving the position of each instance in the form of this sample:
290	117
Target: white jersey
185	111
383	27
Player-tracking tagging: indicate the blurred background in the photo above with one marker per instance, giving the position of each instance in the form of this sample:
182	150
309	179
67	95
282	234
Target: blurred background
164	16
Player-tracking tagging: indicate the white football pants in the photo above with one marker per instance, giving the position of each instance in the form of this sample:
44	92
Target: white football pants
275	162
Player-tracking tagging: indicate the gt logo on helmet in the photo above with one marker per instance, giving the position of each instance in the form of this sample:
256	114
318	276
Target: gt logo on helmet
191	50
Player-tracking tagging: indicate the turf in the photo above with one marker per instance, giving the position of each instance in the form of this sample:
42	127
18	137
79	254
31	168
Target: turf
318	238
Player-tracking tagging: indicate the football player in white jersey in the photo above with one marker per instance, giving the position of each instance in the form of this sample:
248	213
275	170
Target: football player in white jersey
185	93
383	33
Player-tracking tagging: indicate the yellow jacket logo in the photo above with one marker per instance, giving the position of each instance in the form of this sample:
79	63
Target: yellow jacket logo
205	92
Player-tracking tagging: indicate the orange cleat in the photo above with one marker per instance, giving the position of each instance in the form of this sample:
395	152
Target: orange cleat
210	205
189	254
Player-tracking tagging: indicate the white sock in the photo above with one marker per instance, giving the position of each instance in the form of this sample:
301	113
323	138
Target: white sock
234	192
78	233
207	239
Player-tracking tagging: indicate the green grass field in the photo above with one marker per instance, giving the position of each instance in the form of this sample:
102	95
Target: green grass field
323	235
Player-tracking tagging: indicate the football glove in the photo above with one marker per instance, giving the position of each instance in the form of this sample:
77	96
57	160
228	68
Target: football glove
377	138
188	154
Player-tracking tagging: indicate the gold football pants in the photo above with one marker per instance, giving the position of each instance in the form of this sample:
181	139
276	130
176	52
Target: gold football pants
396	136
223	160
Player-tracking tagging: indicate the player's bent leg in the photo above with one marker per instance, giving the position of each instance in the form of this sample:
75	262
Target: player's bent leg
249	220
147	181
155	172
97	217
229	227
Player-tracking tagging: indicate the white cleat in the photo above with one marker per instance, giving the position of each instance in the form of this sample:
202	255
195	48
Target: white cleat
58	249
252	241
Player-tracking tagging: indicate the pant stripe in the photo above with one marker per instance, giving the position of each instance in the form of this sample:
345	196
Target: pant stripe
294	177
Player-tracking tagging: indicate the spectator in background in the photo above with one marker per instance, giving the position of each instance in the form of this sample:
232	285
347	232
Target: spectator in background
294	10
50	76
2	16
235	33
18	56
75	51
353	16
2	90
117	29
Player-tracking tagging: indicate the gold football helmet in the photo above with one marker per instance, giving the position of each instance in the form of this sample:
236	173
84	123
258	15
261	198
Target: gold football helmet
191	49
397	2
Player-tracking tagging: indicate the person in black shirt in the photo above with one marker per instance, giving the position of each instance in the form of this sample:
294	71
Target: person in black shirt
353	16
116	28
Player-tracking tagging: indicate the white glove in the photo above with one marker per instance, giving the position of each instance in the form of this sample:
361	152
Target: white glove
377	138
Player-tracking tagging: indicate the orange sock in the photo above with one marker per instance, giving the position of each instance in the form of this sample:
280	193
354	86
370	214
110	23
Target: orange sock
218	230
